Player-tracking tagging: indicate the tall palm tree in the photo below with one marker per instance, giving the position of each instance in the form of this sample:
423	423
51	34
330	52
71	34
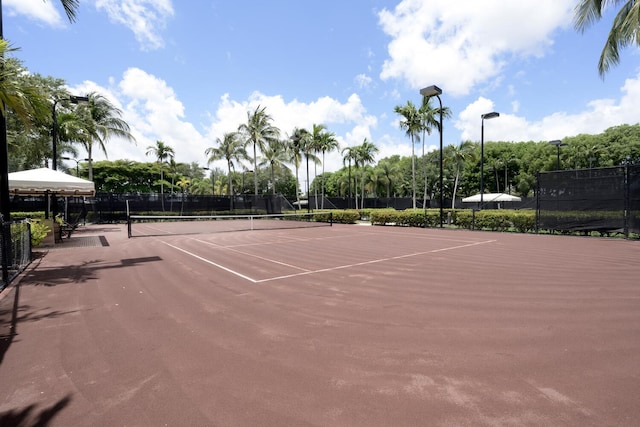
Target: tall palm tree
29	103
274	156
298	140
459	156
412	125
184	184
328	143
162	152
390	173
430	119
315	147
101	122
365	154
625	29
230	148
25	106
349	155
258	131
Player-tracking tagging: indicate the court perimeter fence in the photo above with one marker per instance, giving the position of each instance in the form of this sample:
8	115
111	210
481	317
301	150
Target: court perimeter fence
15	249
606	200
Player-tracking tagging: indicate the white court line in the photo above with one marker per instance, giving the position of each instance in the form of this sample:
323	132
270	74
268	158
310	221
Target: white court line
253	256
324	270
375	261
211	262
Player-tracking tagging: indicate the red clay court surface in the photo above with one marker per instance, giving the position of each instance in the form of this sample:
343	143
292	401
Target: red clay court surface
332	326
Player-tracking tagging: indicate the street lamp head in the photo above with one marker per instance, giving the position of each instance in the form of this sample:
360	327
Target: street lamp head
78	99
66	158
491	115
432	90
557	143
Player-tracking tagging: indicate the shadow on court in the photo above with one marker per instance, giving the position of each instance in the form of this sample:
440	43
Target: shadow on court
81	272
32	416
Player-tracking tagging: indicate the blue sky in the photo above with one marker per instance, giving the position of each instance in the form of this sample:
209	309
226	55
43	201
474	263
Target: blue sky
187	72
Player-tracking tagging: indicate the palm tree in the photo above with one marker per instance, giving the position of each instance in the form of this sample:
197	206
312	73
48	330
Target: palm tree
625	29
274	156
162	152
29	103
296	147
458	156
183	183
230	148
365	154
328	143
349	155
429	117
258	131
101	122
315	146
390	173
412	124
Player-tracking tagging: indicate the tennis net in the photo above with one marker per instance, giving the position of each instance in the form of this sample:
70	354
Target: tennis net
162	225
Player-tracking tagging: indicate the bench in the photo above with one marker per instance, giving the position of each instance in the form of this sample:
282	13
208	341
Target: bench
69	227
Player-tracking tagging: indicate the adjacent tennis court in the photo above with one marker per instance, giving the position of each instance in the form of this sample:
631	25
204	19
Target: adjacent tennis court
340	325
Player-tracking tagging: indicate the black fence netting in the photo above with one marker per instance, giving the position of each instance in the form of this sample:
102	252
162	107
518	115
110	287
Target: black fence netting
633	208
588	200
15	249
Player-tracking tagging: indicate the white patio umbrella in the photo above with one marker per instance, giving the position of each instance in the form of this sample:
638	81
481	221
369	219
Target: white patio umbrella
492	197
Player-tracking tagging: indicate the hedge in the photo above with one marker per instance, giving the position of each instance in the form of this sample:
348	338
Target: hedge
495	220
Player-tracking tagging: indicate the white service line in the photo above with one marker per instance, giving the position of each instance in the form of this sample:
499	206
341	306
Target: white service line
375	261
211	262
228	248
324	270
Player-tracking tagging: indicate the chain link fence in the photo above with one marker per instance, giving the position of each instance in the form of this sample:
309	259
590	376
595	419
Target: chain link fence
15	248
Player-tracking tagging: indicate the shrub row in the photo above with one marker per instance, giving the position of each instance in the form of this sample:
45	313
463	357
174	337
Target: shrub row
494	220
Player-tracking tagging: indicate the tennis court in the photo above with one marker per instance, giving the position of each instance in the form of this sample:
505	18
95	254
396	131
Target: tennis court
343	325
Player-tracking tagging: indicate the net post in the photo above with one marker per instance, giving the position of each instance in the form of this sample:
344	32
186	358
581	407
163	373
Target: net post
331	219
128	220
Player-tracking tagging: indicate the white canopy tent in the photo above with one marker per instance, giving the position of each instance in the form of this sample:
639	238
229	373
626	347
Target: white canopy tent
492	197
47	181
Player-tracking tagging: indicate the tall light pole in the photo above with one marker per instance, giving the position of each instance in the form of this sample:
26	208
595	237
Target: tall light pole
428	92
487	116
558	144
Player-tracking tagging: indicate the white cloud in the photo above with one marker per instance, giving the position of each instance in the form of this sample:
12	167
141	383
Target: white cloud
460	44
38	10
363	81
349	119
154	112
597	116
145	18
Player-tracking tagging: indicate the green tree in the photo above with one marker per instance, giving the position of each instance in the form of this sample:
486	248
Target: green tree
274	156
101	122
350	154
298	141
162	152
625	29
230	148
365	154
258	131
412	124
327	144
390	173
430	119
458	156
